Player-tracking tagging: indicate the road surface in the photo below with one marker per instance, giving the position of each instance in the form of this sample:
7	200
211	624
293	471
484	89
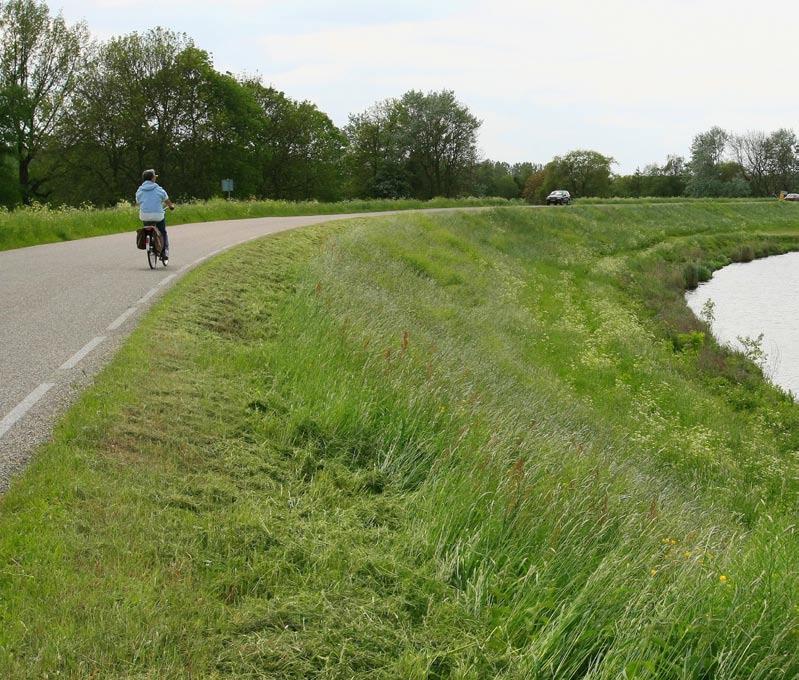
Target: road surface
66	307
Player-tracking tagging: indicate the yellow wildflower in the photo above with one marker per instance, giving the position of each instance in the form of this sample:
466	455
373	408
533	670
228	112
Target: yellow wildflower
722	579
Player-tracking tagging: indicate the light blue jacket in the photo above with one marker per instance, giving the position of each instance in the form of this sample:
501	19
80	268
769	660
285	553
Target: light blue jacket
150	197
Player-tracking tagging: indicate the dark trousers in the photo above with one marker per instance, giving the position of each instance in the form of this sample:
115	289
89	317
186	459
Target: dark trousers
161	226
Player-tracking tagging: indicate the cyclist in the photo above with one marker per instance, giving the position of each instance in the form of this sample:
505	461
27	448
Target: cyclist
151	199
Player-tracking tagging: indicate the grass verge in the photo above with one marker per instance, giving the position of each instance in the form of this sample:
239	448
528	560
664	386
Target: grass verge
424	446
42	224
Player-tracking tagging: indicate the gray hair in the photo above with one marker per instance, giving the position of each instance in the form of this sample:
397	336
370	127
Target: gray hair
148	175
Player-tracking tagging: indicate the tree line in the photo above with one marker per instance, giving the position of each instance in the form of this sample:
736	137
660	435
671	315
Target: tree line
721	164
80	119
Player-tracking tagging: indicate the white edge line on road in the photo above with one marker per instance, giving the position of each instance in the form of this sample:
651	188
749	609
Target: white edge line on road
166	279
82	352
121	319
23	407
147	296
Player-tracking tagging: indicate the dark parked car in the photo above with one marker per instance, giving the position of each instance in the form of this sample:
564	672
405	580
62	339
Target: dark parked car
559	197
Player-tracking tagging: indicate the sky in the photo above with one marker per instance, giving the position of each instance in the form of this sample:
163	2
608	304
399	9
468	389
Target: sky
632	79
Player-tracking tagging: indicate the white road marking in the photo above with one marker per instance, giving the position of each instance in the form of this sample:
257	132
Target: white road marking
121	319
82	352
23	407
147	296
166	280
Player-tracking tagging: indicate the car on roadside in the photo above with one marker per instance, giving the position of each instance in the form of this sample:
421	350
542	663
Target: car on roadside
559	197
791	197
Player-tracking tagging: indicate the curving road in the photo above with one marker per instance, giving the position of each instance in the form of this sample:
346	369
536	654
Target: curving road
66	307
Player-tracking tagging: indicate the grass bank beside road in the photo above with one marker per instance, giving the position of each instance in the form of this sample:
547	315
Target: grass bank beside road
41	224
466	445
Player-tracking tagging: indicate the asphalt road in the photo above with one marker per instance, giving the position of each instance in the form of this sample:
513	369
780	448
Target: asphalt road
66	307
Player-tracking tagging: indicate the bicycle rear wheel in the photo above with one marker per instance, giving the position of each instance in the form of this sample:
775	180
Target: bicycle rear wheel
152	256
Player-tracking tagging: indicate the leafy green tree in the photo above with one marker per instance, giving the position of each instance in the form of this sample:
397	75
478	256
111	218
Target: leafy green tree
9	180
125	117
533	191
41	60
653	180
783	162
522	171
376	160
440	138
422	145
154	99
10	195
297	148
710	174
581	172
707	151
767	162
492	178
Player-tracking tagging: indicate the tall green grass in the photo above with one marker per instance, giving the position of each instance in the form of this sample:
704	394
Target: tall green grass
671	199
43	224
424	446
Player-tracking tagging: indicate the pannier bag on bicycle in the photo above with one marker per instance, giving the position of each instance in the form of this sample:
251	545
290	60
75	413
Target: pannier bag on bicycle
141	239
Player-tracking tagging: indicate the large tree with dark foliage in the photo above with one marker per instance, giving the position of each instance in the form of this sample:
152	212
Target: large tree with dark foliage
296	148
581	172
41	59
420	145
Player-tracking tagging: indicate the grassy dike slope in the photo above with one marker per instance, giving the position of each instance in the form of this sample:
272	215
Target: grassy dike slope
462	445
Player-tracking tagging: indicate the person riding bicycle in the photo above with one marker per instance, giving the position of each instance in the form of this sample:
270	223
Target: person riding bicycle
151	199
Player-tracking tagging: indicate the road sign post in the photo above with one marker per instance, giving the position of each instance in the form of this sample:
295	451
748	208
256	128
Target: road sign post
227	186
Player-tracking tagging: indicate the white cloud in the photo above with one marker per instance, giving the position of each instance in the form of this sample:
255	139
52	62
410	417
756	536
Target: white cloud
633	78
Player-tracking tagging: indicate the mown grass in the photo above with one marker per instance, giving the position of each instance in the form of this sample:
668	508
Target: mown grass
424	446
43	224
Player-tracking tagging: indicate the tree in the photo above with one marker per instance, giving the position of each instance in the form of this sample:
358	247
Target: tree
653	180
155	100
710	174
439	135
533	187
296	148
581	172
675	166
783	164
41	59
422	145
752	152
376	158
707	151
522	171
493	178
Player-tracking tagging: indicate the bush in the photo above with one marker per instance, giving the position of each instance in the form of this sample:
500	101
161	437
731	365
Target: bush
693	341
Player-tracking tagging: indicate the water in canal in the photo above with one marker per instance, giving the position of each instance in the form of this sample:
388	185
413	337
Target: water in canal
753	298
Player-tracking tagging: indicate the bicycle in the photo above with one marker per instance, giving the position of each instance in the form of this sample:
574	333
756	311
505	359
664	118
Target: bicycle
153	255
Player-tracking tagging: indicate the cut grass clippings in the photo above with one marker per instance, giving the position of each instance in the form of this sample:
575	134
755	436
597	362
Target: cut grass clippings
423	446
